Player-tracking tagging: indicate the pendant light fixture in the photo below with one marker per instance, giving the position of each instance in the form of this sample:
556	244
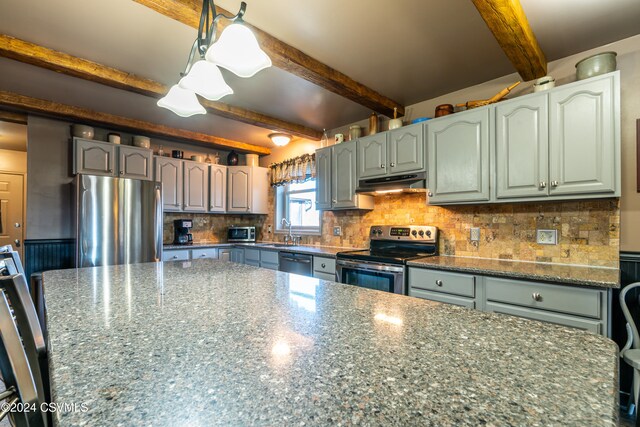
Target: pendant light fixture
237	50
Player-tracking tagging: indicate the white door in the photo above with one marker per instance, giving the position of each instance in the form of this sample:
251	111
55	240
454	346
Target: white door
11	211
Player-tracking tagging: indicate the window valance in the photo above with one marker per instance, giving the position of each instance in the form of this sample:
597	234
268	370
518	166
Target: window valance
296	170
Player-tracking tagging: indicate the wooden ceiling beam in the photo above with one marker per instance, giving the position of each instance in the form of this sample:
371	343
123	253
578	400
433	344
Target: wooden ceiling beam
61	62
84	115
509	25
10	116
285	57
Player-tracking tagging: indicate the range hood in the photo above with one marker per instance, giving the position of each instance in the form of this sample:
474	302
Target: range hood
405	183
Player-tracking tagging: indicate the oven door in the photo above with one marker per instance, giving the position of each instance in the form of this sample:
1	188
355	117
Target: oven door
371	275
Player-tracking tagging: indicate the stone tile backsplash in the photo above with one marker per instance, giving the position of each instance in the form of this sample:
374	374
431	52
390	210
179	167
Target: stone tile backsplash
588	231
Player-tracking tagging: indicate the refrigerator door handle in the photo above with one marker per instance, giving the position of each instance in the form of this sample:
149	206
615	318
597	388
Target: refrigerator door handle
158	221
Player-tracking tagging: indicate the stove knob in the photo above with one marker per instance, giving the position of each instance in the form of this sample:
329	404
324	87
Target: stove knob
428	233
421	233
414	233
379	232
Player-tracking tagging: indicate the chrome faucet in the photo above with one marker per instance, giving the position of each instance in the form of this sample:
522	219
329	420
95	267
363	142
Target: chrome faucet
289	238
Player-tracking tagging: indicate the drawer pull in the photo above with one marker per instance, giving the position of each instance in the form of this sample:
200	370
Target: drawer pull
543	184
382	166
536	296
439	283
175	257
323	265
202	255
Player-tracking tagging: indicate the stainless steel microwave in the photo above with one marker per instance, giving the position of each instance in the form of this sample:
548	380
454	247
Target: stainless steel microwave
241	234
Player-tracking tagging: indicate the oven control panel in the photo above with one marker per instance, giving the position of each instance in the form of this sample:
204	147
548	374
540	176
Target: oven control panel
423	233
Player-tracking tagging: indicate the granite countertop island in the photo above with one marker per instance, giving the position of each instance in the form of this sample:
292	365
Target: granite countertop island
209	342
328	251
599	277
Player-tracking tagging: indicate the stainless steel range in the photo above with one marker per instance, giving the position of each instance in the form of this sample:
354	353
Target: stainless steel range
383	266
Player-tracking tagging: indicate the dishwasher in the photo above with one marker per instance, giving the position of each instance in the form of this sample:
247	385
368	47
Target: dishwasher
296	263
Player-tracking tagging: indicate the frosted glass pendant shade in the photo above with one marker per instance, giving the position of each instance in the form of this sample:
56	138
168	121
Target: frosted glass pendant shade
206	80
181	101
238	51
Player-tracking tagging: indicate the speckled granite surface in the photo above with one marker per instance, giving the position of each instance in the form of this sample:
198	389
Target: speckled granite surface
328	251
559	273
215	343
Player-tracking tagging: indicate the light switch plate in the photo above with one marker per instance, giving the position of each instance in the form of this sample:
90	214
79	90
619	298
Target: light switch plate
337	231
474	234
547	237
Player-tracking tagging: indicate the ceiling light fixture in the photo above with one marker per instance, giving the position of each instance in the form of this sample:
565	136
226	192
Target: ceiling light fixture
236	49
280	139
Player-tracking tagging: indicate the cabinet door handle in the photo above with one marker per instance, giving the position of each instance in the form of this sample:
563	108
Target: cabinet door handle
110	170
536	296
554	184
393	165
382	166
121	172
323	265
543	184
334	201
430	194
439	283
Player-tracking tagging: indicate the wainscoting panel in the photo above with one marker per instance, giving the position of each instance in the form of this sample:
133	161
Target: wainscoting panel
629	273
48	254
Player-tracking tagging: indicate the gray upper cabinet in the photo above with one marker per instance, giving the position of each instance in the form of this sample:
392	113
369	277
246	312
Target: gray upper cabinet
522	160
95	158
135	162
323	178
336	178
458	157
406	149
344	175
372	156
217	188
584	137
169	173
195	186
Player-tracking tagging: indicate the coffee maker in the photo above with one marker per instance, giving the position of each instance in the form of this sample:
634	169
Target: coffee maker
181	235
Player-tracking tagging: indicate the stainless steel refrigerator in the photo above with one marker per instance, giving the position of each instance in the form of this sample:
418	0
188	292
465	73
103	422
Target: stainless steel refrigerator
118	221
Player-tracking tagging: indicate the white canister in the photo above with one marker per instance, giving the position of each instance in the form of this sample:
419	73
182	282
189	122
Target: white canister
339	138
252	160
395	124
114	138
355	132
544	83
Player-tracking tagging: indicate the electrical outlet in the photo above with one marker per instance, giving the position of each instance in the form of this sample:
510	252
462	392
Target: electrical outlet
547	237
474	234
337	231
269	229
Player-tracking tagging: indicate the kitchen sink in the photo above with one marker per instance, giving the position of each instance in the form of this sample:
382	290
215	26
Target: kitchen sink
275	245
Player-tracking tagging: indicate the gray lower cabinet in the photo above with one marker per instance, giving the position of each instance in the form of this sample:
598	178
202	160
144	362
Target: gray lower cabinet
205	253
252	257
576	307
176	255
451	288
169	172
584	137
269	259
135	163
324	268
237	255
217	188
458	157
522	148
224	254
195	186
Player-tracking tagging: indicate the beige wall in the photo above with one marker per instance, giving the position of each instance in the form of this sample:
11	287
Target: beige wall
13	161
564	72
